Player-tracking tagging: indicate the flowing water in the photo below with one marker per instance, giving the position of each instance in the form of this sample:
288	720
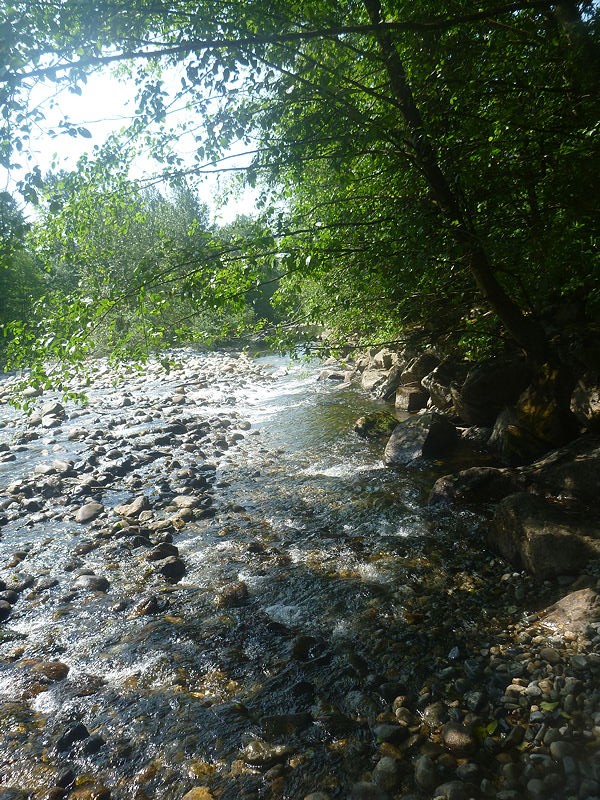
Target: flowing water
318	587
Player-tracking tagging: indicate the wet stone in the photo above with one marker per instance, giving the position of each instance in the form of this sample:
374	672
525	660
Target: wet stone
162	551
185	501
284	724
198	793
54	409
264	754
89	512
367	791
52	671
5	609
93	583
135	508
387	773
171	568
98	792
550	655
459	739
232	595
93	745
426	773
54	793
390	733
152	605
73	733
452	790
536	788
560	750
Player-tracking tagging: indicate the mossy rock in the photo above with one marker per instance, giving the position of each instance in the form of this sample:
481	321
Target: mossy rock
376	425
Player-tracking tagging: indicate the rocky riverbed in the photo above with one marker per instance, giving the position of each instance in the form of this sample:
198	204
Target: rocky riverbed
212	588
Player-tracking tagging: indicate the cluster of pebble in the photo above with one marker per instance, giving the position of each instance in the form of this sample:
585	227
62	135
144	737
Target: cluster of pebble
516	720
143	453
515	716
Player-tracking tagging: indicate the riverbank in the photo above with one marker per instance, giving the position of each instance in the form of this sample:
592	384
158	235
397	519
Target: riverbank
214	588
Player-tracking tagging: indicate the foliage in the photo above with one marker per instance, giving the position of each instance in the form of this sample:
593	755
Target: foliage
424	168
129	271
20	275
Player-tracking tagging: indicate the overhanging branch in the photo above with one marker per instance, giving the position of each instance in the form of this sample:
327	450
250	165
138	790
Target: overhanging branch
159	50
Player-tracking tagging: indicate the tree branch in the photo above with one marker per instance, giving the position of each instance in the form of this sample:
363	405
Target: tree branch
193	45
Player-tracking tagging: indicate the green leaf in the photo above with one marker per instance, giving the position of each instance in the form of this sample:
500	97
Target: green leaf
546	705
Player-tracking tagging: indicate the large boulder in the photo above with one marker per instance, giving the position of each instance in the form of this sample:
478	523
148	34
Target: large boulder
585	400
539	421
373	379
442	380
411	398
476	485
514	442
489	388
335	375
543	538
419	367
427	435
574	612
387	390
384	358
376	425
572	472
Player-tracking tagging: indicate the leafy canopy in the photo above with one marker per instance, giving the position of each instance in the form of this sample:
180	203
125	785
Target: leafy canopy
422	166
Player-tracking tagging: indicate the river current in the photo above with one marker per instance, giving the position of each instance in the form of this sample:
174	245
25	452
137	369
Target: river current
318	587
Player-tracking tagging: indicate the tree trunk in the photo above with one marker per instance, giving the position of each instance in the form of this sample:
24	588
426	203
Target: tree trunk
525	331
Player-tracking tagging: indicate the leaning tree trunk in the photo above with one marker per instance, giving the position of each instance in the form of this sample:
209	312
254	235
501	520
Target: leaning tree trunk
525	331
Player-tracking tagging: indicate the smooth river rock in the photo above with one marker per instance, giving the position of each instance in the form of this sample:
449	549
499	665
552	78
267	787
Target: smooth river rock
88	512
425	436
93	583
135	508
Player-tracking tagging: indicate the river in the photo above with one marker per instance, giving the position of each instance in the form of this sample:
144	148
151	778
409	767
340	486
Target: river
320	591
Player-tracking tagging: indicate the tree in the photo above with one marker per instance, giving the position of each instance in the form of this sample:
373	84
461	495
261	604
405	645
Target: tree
21	280
468	137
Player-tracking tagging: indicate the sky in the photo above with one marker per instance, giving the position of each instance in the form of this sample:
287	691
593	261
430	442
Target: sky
105	106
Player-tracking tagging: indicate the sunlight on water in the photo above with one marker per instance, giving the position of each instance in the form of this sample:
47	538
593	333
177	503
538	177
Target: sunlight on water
287	615
369	572
341	470
303	515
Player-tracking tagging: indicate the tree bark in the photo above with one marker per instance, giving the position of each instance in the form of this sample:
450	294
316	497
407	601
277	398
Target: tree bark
525	331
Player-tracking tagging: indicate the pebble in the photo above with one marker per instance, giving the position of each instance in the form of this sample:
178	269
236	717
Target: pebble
93	583
459	739
426	773
52	671
89	512
198	793
387	773
171	568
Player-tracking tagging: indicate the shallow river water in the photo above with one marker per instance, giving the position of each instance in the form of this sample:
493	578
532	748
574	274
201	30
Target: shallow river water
318	587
